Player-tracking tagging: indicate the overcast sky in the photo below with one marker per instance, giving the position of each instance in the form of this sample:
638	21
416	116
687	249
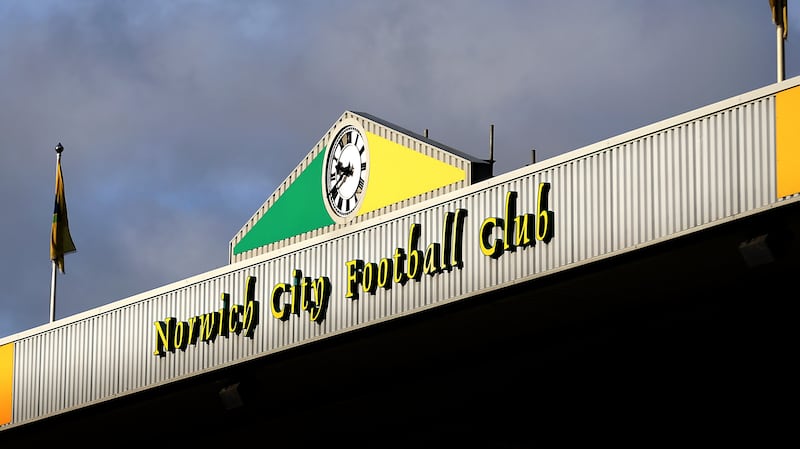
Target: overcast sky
179	118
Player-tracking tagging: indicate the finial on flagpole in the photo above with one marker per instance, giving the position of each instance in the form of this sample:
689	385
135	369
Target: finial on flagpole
59	148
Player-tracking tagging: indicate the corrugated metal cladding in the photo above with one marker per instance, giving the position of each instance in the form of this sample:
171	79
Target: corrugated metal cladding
372	126
648	185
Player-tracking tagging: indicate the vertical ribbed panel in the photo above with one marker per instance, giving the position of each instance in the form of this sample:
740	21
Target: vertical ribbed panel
604	201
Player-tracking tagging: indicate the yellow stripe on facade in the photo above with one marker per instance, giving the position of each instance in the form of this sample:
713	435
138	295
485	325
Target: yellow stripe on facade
787	141
398	173
6	382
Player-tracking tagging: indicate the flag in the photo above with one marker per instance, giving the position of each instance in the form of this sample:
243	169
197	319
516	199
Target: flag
60	239
779	15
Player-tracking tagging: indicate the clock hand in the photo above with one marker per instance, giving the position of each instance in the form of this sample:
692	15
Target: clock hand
338	184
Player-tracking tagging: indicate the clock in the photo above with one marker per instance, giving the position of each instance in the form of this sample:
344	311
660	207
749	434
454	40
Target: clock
346	172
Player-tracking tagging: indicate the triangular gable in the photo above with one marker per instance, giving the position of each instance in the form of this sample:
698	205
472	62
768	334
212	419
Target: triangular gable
403	166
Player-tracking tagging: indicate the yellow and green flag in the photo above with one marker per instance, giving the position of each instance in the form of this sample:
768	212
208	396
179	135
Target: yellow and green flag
60	238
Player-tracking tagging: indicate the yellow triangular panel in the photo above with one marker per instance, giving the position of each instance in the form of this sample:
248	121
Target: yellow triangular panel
398	173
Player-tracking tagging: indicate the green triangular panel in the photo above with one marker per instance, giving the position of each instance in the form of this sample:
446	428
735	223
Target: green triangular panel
300	209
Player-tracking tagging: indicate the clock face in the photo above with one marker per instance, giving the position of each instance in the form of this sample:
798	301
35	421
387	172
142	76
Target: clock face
346	171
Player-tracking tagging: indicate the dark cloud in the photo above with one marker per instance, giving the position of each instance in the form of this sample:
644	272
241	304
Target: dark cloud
179	118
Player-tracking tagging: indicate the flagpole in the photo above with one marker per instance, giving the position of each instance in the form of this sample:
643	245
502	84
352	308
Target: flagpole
780	58
59	149
53	294
780	18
